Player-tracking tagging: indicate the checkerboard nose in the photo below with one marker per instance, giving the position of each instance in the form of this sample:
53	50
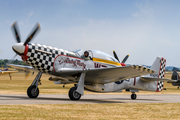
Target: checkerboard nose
19	48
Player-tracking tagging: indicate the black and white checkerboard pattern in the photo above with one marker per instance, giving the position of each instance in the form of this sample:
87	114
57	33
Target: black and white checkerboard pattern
162	68
42	61
160	85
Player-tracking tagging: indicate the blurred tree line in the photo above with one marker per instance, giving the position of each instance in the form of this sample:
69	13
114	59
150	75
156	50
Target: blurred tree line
16	61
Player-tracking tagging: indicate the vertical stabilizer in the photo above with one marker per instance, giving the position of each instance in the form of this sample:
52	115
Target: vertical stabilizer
159	66
175	76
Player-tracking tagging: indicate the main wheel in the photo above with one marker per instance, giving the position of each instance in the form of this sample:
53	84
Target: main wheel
32	92
133	96
73	95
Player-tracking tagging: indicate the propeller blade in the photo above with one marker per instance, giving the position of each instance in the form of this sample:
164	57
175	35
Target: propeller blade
115	55
124	60
16	32
33	33
27	74
11	60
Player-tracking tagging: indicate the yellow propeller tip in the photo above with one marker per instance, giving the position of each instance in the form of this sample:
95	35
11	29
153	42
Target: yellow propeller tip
13	23
128	55
113	50
39	26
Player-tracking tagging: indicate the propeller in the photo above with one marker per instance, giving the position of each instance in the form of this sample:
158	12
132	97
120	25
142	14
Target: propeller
123	61
115	55
16	33
35	30
12	59
19	47
27	74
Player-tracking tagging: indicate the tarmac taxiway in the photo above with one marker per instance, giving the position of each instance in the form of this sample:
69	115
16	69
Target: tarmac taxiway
87	99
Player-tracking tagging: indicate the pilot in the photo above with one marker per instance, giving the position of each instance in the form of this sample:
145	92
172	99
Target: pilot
86	56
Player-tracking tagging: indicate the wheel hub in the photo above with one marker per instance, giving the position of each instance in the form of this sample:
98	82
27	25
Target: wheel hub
34	91
76	94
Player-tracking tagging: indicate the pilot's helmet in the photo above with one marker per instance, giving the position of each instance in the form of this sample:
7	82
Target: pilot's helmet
86	53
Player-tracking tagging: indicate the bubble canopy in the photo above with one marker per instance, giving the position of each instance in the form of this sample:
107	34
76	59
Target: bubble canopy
96	54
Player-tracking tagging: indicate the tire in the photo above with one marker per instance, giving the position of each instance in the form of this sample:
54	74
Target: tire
31	92
133	96
73	95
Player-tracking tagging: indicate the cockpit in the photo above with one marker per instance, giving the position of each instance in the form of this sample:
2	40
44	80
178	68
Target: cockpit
101	55
78	52
98	56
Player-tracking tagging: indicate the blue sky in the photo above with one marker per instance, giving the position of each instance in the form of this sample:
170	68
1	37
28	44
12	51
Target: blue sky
144	29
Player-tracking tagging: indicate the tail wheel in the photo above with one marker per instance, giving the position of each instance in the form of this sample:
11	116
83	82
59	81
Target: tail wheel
133	96
73	95
33	91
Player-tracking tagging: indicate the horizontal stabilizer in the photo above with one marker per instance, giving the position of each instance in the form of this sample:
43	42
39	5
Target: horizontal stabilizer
173	81
156	79
175	78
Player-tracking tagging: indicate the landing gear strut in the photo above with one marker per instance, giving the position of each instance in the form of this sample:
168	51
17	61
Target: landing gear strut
133	96
76	92
33	90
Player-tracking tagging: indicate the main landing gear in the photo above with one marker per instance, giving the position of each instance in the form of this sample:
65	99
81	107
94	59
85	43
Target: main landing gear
133	96
76	92
33	90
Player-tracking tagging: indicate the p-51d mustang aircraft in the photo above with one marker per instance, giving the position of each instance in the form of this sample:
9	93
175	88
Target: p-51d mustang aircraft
151	82
68	67
4	71
175	79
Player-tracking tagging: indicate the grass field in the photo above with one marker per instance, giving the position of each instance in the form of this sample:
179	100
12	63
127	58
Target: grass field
140	111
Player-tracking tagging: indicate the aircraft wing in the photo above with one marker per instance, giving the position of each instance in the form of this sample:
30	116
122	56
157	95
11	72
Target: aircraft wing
22	67
97	75
107	75
157	79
